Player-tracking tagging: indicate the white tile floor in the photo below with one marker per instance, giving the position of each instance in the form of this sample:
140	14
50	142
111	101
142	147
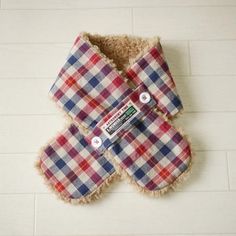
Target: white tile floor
199	39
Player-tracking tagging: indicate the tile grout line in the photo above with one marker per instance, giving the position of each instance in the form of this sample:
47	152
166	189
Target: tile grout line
118	7
189	59
227	169
34	229
69	9
159	234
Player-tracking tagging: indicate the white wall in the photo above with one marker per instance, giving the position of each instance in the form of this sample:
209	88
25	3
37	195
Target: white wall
199	39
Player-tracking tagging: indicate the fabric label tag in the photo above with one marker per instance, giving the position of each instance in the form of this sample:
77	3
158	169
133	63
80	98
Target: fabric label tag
120	119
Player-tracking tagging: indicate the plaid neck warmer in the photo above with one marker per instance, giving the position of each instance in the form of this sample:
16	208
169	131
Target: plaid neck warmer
120	95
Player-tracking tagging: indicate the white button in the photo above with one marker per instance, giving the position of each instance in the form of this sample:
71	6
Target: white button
96	142
144	97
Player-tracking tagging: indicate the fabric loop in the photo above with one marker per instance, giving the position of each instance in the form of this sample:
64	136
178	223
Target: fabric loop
121	118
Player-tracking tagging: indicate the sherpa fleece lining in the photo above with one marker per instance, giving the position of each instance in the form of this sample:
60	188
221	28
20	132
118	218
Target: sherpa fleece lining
122	50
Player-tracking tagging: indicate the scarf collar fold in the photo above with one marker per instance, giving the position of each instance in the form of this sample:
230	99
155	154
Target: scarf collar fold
118	64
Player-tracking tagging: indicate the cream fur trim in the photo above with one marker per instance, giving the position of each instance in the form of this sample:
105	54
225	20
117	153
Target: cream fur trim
120	51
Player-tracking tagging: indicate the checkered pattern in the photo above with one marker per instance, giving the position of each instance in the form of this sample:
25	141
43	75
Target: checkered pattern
72	166
143	110
153	153
87	87
153	71
90	90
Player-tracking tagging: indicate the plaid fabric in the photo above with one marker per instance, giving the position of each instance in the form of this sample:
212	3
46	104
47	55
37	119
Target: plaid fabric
143	110
87	87
153	153
72	166
148	148
153	71
91	91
